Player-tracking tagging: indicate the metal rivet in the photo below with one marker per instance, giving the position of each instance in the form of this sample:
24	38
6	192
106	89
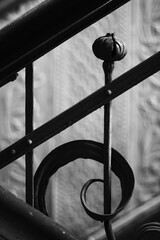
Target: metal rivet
29	141
70	123
109	92
13	151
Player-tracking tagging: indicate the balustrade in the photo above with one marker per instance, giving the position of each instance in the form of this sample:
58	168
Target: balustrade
109	49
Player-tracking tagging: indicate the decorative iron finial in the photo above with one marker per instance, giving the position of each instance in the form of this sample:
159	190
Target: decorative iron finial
109	48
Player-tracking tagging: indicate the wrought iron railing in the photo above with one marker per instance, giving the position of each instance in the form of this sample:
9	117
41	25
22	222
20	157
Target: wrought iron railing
52	23
44	28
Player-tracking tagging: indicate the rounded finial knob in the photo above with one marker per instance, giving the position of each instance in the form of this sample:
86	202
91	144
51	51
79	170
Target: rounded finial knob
109	48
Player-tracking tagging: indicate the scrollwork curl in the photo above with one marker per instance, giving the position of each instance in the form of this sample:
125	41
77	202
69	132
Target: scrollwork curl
85	149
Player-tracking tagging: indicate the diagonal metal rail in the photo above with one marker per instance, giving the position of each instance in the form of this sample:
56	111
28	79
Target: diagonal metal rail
45	27
81	109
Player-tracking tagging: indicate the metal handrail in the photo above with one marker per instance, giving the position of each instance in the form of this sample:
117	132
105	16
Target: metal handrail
44	28
81	109
21	221
34	34
127	225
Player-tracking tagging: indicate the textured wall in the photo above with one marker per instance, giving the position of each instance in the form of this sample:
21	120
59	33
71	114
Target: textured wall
148	141
65	76
143	147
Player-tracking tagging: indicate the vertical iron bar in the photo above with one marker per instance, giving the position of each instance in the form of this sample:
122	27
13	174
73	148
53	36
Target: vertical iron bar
108	49
28	129
107	66
109	231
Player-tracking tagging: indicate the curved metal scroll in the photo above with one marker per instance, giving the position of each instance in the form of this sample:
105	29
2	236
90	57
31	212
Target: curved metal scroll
71	151
149	231
109	49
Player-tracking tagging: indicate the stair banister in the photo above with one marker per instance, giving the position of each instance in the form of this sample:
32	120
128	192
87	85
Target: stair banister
45	27
19	220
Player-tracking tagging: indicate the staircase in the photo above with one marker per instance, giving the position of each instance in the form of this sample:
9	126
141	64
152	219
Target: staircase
47	26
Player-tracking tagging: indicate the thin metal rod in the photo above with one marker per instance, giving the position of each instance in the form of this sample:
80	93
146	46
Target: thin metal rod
28	129
108	67
109	231
81	109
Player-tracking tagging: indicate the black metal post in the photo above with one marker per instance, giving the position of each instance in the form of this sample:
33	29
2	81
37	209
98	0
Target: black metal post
28	129
108	67
108	49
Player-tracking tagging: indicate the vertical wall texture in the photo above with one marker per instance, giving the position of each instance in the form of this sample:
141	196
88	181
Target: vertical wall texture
148	141
65	76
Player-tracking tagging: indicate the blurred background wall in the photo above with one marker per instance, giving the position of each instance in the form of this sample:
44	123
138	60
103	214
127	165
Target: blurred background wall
63	77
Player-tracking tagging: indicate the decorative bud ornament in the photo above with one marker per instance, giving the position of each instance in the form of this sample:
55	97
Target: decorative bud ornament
109	48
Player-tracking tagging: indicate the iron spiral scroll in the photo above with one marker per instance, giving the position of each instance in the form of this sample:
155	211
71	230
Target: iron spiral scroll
108	49
85	149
